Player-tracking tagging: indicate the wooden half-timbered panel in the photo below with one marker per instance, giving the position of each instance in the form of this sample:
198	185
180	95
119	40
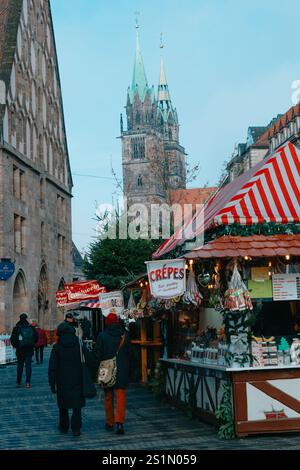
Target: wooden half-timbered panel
266	401
196	386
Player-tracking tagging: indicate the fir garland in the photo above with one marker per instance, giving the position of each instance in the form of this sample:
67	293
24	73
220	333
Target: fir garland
237	324
236	229
224	413
265	228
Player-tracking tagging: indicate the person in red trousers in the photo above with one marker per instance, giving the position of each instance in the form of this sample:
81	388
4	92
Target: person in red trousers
109	341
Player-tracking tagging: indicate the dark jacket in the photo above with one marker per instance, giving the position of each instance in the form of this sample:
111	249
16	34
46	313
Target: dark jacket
86	327
14	339
65	369
106	348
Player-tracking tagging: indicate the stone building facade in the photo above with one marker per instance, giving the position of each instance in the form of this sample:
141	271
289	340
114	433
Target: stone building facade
153	160
262	141
35	176
246	155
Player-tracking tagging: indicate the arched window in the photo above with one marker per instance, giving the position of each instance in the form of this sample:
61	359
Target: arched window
20	296
42	298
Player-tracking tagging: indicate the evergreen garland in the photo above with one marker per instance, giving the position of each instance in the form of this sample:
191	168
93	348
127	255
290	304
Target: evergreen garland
236	229
224	413
236	324
265	228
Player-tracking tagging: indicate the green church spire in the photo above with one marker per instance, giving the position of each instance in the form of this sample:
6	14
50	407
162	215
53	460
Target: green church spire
139	80
165	108
163	89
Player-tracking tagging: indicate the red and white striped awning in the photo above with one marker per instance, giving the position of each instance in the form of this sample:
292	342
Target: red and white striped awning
270	191
90	304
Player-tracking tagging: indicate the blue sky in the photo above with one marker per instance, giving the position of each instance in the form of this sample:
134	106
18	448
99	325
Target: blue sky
229	64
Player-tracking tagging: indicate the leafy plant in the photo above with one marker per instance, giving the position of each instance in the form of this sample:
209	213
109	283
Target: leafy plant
224	414
157	384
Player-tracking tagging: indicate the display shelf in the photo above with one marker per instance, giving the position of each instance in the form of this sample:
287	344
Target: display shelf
228	369
194	364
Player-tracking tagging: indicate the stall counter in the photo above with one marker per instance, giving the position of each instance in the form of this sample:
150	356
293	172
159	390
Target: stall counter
264	399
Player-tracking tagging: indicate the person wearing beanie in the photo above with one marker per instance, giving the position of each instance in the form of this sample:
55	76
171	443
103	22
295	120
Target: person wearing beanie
65	378
107	345
23	339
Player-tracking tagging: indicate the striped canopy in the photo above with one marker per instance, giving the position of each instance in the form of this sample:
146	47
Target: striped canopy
270	191
90	304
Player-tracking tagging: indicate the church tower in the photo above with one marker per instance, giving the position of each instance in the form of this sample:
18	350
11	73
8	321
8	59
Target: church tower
153	161
167	123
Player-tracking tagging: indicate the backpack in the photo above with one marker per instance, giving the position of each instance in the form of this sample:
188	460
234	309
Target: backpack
107	372
26	337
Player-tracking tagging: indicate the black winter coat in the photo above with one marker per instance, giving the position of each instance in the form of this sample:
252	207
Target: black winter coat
65	369
14	339
106	348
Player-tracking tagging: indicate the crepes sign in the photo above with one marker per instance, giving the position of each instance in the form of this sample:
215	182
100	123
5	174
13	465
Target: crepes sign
167	278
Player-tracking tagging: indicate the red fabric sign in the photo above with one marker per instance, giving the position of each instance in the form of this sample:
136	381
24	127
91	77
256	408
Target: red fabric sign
79	292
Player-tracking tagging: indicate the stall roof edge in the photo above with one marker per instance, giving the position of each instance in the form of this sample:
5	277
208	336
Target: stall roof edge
132	283
257	246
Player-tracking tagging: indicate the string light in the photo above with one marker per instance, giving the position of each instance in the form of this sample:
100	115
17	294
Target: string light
246	258
287	257
186	266
270	264
141	284
191	262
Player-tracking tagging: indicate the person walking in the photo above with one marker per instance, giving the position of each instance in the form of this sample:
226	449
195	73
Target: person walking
65	378
115	340
23	339
40	344
86	327
70	319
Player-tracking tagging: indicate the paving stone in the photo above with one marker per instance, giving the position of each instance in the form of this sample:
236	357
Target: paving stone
29	421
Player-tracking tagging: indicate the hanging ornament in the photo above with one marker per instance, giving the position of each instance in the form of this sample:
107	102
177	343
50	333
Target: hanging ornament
237	297
192	294
204	279
131	303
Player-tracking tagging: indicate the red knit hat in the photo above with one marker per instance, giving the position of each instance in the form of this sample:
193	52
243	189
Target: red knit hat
112	319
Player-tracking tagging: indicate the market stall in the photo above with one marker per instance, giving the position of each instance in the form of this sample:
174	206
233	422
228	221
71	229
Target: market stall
145	330
242	368
7	352
82	298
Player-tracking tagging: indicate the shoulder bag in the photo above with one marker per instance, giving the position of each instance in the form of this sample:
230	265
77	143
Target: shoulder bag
107	372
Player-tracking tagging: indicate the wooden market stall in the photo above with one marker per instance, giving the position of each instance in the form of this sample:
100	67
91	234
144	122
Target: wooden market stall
248	268
146	337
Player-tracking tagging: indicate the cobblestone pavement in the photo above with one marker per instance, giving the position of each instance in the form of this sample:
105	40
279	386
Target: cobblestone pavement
29	421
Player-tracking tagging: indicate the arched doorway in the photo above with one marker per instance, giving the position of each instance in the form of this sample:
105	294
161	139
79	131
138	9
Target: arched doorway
20	297
43	301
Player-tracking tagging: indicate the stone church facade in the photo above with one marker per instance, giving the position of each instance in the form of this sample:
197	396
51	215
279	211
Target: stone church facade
35	176
153	160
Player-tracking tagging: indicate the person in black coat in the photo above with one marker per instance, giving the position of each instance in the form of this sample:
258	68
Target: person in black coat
107	345
65	378
23	339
